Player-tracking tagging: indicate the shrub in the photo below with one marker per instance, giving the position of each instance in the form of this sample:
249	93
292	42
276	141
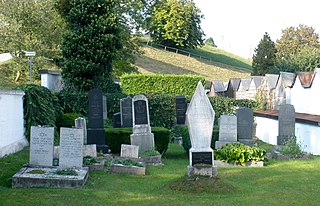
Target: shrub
117	136
67	119
41	107
291	147
239	153
160	84
74	101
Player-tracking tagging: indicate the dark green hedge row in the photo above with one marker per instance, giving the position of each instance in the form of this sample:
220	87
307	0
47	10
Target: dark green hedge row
117	136
160	84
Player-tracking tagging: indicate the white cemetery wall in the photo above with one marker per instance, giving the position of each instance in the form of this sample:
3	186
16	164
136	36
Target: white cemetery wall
12	137
307	134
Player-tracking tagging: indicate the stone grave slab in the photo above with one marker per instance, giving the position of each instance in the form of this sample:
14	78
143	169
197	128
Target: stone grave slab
80	122
71	148
126	112
181	108
41	146
245	125
227	130
286	121
200	120
130	151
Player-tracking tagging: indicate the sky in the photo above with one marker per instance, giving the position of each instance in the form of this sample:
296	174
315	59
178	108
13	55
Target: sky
237	26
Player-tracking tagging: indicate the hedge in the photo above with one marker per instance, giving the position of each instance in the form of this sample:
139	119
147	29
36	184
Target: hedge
160	84
117	136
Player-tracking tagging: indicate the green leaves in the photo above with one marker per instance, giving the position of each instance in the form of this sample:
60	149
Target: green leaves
239	153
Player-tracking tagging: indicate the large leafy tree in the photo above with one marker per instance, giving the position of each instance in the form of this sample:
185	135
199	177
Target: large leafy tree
264	56
92	43
295	39
30	25
176	23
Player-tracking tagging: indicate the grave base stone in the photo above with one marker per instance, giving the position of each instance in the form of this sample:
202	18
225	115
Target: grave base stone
130	151
145	141
201	163
96	135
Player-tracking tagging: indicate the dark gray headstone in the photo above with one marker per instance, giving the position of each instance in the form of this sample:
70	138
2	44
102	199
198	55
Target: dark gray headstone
286	121
116	120
104	107
140	112
181	108
244	123
126	112
96	134
95	113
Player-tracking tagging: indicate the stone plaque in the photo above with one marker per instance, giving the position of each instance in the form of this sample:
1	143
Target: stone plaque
80	122
95	109
202	158
126	112
130	151
228	128
71	148
116	120
245	123
181	108
140	112
286	121
41	146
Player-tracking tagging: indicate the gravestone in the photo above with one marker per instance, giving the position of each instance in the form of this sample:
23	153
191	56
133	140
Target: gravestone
286	121
80	122
181	108
41	146
227	130
71	148
116	120
142	135
96	133
200	120
130	151
104	107
245	126
126	112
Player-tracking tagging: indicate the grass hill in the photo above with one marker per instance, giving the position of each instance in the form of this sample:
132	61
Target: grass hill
214	64
221	66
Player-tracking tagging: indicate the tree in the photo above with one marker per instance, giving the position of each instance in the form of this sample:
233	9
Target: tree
210	42
294	39
176	23
30	25
264	56
92	42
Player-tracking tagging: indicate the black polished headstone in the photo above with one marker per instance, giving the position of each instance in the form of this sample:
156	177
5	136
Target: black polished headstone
116	120
95	109
140	111
286	121
181	108
201	158
126	112
244	123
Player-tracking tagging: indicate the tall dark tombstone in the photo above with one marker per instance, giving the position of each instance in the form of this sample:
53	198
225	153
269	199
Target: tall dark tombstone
96	134
286	121
181	108
126	112
245	125
116	120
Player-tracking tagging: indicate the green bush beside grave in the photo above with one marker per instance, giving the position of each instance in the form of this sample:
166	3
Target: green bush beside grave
239	153
41	107
117	136
67	120
160	84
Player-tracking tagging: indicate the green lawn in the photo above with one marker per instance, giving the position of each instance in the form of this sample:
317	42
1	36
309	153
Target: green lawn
295	182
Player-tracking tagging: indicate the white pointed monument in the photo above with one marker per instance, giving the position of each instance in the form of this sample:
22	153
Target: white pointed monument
200	120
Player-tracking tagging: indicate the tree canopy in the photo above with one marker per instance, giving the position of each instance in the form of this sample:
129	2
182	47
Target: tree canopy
176	23
264	57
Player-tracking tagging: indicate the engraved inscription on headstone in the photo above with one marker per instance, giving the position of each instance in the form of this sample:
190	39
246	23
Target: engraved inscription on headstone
71	148
228	128
286	122
126	112
202	158
140	112
41	146
181	108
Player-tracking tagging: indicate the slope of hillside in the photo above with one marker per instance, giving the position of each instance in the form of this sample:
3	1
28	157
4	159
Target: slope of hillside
161	61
